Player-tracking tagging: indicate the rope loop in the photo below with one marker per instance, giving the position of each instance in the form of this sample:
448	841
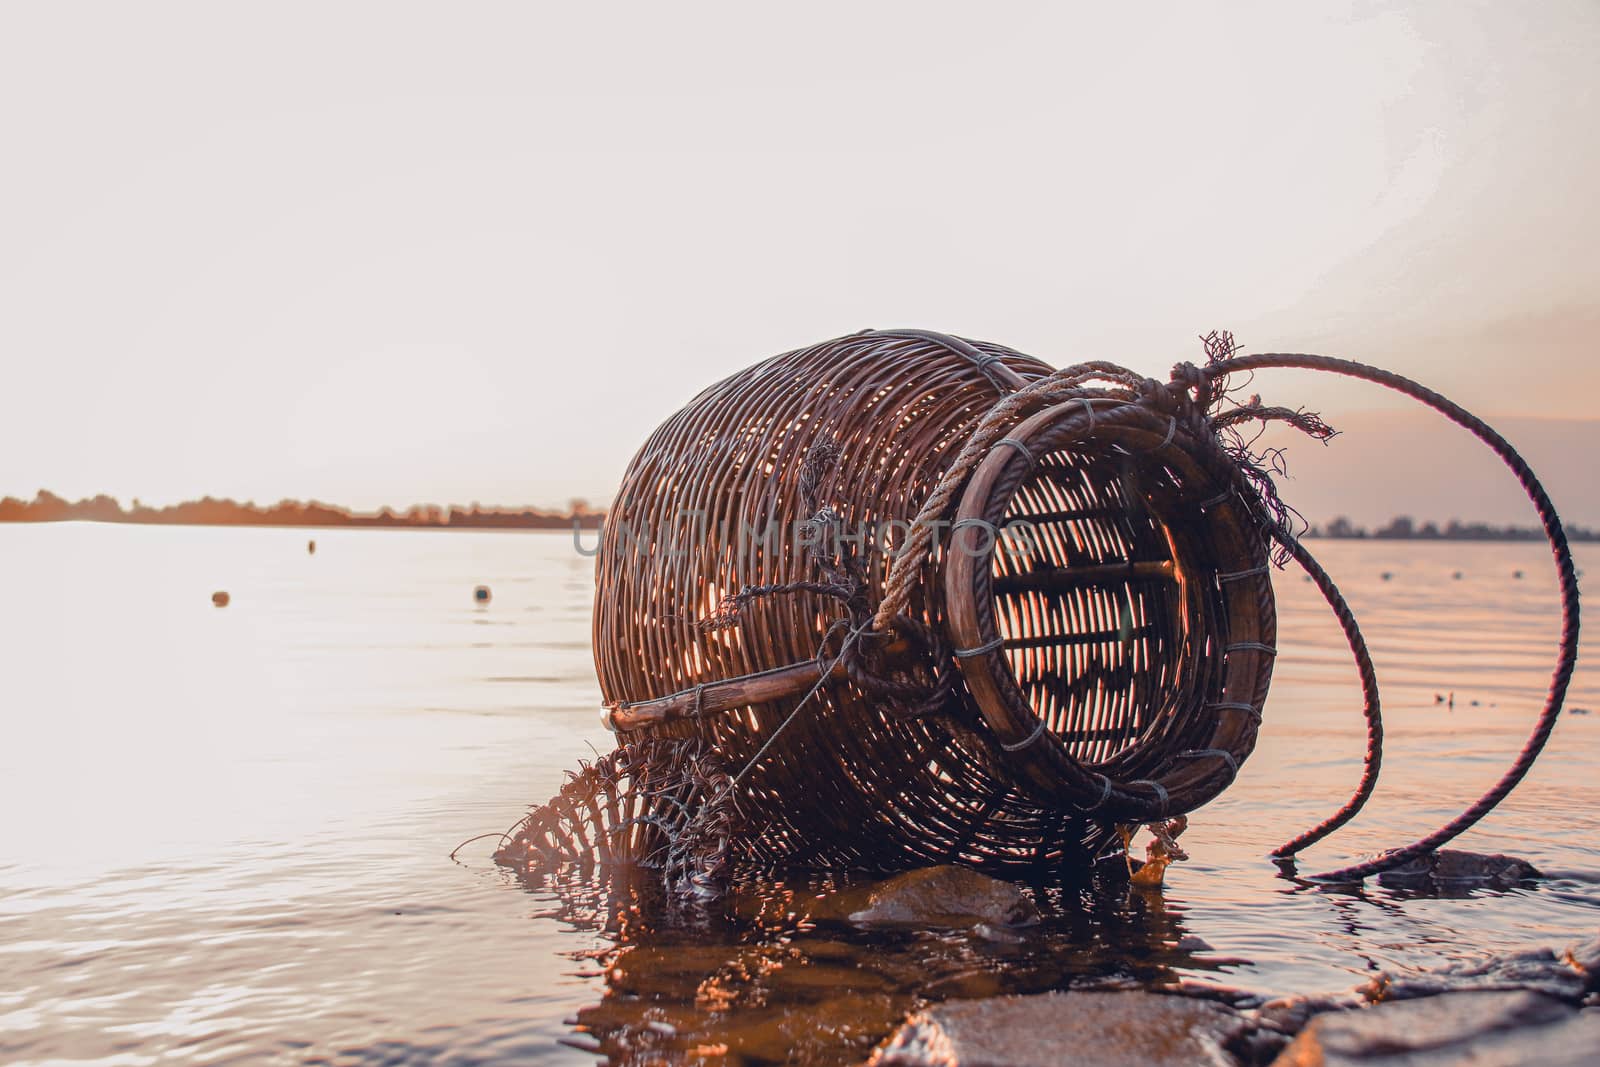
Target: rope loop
1105	795
1038	732
1214	753
1225	362
1027	453
1162	798
1191	379
914	685
1158	395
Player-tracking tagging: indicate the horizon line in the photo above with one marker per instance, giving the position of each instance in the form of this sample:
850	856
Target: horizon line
225	511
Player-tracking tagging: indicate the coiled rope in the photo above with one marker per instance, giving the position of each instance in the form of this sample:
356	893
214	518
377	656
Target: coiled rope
1566	572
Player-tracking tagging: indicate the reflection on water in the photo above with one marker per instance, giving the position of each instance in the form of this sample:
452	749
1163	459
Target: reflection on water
779	973
226	829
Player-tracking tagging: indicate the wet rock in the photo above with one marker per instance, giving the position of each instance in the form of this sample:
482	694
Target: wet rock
932	897
812	1033
1483	1028
1110	1029
1537	969
840	1028
1449	871
1289	1015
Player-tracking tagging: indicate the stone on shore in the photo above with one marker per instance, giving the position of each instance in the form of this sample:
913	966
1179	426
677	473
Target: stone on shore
932	897
1536	969
1448	871
1488	1029
1108	1029
1534	1005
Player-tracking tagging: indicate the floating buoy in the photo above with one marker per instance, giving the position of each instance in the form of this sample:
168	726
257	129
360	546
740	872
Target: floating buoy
1456	576
1517	575
220	598
481	594
1387	575
311	548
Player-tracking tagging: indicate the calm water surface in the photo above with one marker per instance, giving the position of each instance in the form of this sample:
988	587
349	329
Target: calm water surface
225	831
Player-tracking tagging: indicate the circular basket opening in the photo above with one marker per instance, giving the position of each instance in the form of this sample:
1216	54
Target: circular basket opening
1107	593
1086	600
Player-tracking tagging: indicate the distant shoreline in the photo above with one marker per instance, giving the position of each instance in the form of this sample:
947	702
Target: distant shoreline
1404	528
208	511
1575	534
591	523
315	515
588	526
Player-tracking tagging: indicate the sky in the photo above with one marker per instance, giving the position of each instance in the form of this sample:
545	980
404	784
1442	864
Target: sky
386	253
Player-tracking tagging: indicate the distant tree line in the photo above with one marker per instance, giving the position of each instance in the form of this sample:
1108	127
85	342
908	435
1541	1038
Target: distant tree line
208	511
1405	528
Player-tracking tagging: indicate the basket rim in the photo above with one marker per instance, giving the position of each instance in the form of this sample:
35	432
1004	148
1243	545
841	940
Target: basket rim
1024	742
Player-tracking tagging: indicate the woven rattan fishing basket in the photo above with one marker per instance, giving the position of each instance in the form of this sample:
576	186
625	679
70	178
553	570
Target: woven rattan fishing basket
1087	641
903	598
